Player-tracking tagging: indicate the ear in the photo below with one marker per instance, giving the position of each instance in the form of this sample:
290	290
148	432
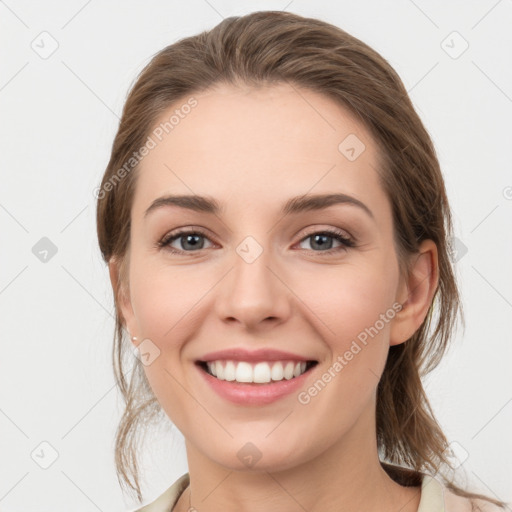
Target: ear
415	293
122	296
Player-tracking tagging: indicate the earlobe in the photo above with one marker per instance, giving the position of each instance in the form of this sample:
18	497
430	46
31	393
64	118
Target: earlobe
416	293
122	297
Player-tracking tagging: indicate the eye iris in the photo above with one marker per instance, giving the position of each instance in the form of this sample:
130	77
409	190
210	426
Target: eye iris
188	239
322	245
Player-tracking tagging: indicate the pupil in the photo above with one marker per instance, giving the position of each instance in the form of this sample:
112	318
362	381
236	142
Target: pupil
189	240
321	244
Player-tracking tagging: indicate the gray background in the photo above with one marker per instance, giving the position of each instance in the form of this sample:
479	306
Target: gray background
59	113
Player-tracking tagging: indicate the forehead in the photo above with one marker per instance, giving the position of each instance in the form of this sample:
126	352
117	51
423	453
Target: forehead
262	145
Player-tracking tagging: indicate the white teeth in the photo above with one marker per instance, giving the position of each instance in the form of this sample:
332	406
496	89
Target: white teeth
243	372
299	369
288	371
219	370
230	371
261	373
277	371
212	367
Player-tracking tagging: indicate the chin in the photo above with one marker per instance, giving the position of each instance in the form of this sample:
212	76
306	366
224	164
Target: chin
251	454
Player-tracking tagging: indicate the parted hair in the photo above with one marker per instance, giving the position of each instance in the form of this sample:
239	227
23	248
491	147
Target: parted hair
274	47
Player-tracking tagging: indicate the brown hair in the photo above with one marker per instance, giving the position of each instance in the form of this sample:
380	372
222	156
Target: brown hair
265	48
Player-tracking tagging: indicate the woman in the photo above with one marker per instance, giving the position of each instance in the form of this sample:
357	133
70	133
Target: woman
278	234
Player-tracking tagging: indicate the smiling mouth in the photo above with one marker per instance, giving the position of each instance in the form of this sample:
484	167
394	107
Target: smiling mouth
263	372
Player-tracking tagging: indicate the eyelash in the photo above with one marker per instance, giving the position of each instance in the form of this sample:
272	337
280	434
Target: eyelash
346	242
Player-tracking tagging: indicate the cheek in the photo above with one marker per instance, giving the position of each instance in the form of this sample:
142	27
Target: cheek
361	307
167	303
161	306
353	311
354	315
164	297
349	299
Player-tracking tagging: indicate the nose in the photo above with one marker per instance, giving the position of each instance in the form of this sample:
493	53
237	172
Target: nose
254	293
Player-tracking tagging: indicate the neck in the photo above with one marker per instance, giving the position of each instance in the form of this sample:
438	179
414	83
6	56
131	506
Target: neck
346	476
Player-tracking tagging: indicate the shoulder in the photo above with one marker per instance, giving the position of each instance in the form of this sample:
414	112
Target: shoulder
436	497
455	503
166	501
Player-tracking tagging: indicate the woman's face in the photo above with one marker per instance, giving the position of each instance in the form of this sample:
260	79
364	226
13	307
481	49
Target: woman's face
255	276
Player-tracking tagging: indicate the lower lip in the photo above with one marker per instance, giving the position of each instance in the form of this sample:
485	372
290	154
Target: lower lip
254	394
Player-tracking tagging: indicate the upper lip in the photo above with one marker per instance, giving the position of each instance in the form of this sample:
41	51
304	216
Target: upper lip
263	354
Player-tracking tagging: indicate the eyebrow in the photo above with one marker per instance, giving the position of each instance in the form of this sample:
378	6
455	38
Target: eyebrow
294	205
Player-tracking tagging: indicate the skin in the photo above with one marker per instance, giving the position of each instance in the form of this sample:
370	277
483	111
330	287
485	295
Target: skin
252	149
